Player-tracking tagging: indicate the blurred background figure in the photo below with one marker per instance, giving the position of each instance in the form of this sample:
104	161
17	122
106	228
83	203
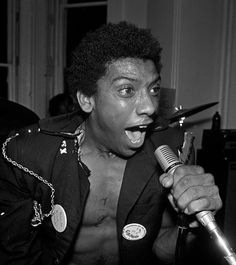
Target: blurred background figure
61	104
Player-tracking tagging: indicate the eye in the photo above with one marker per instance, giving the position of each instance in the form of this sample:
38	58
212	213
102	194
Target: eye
155	90
126	91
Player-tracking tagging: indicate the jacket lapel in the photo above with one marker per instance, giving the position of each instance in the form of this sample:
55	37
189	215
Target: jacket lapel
137	173
68	191
71	188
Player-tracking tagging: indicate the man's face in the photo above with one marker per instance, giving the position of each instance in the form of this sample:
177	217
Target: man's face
127	97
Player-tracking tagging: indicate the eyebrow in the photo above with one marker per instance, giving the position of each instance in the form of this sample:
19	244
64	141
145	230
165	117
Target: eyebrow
134	79
123	77
157	79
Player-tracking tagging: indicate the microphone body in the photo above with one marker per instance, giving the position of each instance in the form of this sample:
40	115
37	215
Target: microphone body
169	162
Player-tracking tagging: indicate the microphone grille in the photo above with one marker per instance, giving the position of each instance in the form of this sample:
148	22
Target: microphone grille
166	157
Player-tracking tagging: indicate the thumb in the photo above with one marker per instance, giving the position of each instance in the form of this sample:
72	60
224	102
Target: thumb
166	180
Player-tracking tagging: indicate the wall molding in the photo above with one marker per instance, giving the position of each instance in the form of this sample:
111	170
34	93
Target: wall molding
225	60
176	39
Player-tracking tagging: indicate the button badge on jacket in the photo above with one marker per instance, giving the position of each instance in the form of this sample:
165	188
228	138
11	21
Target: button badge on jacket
134	231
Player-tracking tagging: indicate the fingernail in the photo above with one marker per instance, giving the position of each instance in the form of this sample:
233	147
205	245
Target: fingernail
186	211
166	182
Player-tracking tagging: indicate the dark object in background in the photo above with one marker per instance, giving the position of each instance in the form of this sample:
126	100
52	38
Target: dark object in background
216	122
189	112
218	157
60	104
14	116
164	120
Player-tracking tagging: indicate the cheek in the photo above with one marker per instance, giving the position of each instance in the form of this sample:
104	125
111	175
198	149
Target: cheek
156	103
114	115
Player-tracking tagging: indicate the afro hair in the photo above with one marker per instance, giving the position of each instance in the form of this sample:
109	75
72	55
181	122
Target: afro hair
108	43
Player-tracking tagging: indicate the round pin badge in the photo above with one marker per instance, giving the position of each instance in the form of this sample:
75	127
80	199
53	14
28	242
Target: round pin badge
59	219
134	231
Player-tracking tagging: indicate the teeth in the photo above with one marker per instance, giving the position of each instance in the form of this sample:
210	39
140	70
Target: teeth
143	126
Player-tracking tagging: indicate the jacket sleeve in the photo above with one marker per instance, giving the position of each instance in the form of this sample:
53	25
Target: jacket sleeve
19	241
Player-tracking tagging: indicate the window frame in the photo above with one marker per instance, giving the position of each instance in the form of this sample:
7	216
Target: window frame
12	48
60	38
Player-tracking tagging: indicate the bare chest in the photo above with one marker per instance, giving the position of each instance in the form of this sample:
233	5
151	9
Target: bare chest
105	184
97	241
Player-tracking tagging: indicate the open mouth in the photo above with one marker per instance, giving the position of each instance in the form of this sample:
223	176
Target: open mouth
136	134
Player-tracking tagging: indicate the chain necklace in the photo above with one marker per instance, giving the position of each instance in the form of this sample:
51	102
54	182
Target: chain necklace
39	216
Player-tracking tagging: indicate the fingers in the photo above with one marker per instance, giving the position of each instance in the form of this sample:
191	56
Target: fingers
207	198
192	184
192	190
183	171
168	180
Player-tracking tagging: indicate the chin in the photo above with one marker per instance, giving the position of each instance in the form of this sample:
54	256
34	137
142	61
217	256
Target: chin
127	153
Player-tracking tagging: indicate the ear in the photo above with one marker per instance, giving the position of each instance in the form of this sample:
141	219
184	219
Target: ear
86	102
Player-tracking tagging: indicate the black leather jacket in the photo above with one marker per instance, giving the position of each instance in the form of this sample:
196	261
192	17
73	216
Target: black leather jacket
37	149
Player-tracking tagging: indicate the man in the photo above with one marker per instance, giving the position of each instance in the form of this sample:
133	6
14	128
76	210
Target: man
60	104
88	190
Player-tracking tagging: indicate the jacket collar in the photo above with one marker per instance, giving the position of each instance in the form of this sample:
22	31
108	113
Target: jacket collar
63	125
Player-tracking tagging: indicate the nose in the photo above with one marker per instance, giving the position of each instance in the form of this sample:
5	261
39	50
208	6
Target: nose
146	104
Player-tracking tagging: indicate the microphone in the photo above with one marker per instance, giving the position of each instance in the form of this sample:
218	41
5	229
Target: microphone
169	162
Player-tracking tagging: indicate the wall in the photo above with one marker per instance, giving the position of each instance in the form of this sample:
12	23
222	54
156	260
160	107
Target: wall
198	39
134	11
231	70
32	85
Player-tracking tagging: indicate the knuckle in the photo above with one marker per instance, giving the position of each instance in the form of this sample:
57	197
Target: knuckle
216	189
181	204
180	170
210	178
194	192
184	182
220	203
199	169
213	191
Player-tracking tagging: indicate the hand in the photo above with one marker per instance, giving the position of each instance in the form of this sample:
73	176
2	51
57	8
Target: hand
192	190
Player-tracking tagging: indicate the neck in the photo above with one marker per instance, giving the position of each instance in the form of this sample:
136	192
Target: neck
90	144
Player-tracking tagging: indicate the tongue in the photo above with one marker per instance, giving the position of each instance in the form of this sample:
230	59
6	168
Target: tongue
134	136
